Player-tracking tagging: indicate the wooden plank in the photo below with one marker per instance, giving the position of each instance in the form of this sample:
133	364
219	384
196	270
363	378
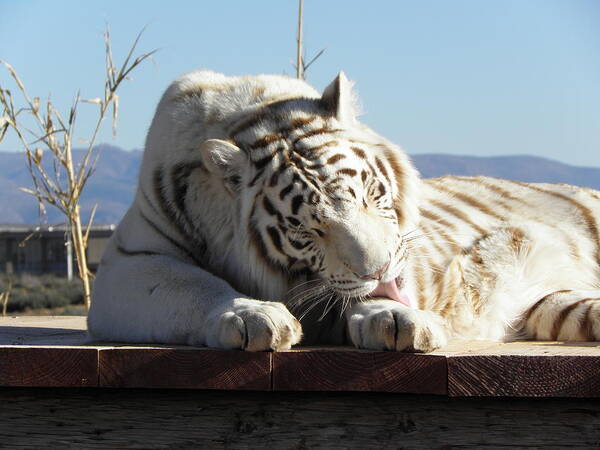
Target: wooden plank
132	418
72	322
184	368
48	367
462	347
520	348
524	376
356	370
474	368
43	330
524	369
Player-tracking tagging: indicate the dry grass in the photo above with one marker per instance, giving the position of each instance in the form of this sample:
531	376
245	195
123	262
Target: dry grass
35	294
5	296
62	185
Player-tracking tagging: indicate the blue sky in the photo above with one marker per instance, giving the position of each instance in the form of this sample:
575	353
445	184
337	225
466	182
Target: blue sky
466	77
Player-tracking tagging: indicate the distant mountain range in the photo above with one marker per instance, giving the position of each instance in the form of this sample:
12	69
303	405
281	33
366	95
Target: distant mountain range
112	187
113	184
517	167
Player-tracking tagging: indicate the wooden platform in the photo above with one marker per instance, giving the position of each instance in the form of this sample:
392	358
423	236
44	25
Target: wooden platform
57	390
55	352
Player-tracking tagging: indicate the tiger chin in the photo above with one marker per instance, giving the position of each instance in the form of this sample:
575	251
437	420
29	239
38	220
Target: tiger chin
267	215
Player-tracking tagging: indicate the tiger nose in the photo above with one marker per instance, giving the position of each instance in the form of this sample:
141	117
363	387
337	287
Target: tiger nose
378	273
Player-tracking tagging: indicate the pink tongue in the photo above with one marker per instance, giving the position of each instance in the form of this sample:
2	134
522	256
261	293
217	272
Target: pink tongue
390	290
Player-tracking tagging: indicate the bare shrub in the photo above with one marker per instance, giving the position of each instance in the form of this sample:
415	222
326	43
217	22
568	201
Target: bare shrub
30	292
61	184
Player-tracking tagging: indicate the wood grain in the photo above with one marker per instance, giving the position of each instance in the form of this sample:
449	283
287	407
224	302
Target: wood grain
164	419
184	368
354	370
52	351
520	348
524	376
48	366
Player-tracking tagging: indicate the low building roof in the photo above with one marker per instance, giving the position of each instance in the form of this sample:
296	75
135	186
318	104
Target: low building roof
48	229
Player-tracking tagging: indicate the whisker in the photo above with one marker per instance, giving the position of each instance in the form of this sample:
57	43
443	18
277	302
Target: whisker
300	296
311	307
303	284
410	232
346	300
305	301
303	297
343	307
327	307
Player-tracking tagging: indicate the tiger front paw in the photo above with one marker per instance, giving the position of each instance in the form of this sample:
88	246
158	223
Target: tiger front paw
253	325
389	325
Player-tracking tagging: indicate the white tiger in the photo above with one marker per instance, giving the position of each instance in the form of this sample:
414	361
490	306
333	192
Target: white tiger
258	194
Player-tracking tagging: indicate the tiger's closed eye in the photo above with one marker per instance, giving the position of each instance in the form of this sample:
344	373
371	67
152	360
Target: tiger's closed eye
295	222
319	232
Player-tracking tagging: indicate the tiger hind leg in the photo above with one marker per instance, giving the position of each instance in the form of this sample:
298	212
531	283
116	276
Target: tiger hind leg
565	316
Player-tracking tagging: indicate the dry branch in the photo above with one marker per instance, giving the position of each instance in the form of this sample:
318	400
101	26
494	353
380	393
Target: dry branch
63	186
301	66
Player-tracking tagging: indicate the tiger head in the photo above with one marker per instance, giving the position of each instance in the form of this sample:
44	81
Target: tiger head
320	192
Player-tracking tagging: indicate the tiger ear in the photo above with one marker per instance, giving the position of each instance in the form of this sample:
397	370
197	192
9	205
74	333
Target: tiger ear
339	100
224	160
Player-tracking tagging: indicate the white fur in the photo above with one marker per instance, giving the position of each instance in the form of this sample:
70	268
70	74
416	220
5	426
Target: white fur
149	290
201	279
